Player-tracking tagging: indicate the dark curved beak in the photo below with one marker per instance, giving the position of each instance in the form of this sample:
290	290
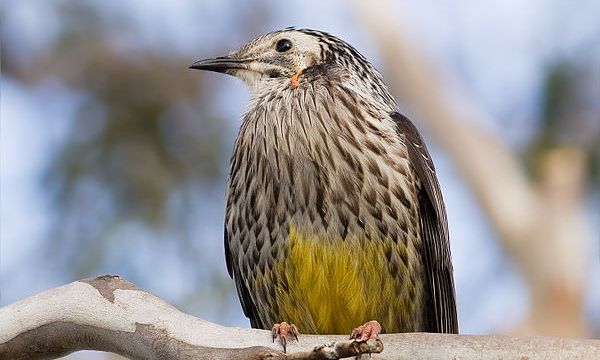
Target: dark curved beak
220	64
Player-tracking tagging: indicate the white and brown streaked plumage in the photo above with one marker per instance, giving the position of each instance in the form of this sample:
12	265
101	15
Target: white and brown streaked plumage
334	213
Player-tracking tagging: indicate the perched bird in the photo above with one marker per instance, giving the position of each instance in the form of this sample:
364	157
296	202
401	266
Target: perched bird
334	214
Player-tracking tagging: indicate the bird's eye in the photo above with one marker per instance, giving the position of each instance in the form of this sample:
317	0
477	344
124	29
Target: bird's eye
283	45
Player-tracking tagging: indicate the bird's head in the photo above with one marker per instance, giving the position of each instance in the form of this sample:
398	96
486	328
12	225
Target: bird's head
283	56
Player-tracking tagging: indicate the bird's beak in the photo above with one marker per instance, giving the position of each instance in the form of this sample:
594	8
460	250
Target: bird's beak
220	64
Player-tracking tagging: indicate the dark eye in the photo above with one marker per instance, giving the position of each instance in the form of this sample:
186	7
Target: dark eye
283	45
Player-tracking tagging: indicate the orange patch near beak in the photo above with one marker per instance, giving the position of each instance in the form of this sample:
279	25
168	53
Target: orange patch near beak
294	79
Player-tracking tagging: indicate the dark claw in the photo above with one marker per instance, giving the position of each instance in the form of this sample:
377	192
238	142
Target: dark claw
284	342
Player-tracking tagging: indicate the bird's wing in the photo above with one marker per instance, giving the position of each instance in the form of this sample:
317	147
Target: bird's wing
439	291
244	294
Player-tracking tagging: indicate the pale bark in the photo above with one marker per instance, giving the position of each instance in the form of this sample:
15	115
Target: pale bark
110	314
542	225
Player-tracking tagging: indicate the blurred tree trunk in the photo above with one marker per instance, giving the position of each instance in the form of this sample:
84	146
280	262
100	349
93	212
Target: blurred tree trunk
542	224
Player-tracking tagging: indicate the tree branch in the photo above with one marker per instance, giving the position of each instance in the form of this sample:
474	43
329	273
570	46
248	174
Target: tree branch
110	314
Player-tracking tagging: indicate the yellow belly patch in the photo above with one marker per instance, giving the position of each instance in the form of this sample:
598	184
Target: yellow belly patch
334	285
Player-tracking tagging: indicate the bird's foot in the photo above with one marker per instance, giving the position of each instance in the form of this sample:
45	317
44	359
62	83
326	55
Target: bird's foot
282	330
370	330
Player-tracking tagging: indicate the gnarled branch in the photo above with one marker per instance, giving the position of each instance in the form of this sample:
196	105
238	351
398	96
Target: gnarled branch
108	313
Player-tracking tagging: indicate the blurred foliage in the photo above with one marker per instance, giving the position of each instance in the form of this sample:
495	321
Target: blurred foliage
141	132
569	114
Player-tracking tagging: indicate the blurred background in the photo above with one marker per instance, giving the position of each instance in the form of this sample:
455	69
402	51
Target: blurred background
114	155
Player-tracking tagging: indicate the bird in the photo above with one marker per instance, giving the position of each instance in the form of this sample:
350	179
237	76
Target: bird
334	215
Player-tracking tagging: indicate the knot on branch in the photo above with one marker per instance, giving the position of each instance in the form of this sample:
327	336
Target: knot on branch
107	284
